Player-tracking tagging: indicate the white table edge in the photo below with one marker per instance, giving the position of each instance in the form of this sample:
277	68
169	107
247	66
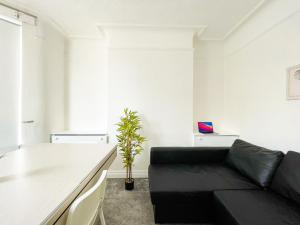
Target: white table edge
54	216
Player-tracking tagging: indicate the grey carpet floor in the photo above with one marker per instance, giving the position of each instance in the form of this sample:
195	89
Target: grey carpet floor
128	207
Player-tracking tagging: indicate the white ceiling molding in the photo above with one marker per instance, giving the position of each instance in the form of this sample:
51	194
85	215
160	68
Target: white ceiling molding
245	18
198	30
84	18
240	23
87	37
56	26
212	39
278	13
152	26
150	37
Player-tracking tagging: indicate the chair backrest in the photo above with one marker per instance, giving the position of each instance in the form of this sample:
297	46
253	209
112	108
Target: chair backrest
84	210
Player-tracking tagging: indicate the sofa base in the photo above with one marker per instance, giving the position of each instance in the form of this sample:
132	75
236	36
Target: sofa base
222	215
172	213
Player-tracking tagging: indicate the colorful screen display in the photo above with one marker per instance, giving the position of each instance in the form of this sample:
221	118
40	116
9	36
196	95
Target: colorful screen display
205	127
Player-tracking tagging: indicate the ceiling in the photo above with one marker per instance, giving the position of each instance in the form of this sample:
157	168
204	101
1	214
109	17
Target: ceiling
81	17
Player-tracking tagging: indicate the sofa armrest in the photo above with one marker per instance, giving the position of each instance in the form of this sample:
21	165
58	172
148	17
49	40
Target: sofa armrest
187	155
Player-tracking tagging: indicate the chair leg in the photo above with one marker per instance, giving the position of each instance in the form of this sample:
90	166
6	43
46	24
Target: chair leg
101	216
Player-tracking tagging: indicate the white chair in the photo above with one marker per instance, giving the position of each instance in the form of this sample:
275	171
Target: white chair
85	209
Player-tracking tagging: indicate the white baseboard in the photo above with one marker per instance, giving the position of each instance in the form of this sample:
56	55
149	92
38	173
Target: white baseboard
122	173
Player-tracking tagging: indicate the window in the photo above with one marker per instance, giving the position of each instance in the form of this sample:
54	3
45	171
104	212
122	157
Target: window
10	85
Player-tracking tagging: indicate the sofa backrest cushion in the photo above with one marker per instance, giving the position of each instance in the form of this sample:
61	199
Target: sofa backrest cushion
188	155
256	163
286	180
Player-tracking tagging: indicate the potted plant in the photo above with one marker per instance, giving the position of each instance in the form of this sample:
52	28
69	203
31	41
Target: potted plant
129	142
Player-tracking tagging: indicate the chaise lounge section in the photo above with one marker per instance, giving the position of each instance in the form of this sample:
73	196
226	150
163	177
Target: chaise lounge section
235	186
182	181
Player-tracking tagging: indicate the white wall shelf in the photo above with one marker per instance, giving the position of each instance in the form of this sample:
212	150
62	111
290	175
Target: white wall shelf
214	140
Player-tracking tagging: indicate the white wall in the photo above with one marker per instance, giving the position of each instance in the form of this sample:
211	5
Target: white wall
209	83
86	85
152	72
238	84
256	59
147	70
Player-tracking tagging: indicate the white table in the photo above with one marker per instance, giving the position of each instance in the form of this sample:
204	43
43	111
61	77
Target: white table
38	183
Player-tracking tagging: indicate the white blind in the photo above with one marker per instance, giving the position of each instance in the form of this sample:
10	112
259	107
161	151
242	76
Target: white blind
10	65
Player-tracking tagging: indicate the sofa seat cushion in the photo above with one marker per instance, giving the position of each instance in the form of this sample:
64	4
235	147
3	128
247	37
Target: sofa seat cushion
182	183
255	207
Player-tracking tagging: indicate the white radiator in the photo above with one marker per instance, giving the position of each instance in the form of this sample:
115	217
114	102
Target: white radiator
84	138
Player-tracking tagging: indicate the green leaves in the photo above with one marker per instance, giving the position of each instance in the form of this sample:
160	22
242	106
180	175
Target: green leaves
129	140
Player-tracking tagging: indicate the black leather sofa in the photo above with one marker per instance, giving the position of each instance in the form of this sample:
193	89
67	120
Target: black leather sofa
241	185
